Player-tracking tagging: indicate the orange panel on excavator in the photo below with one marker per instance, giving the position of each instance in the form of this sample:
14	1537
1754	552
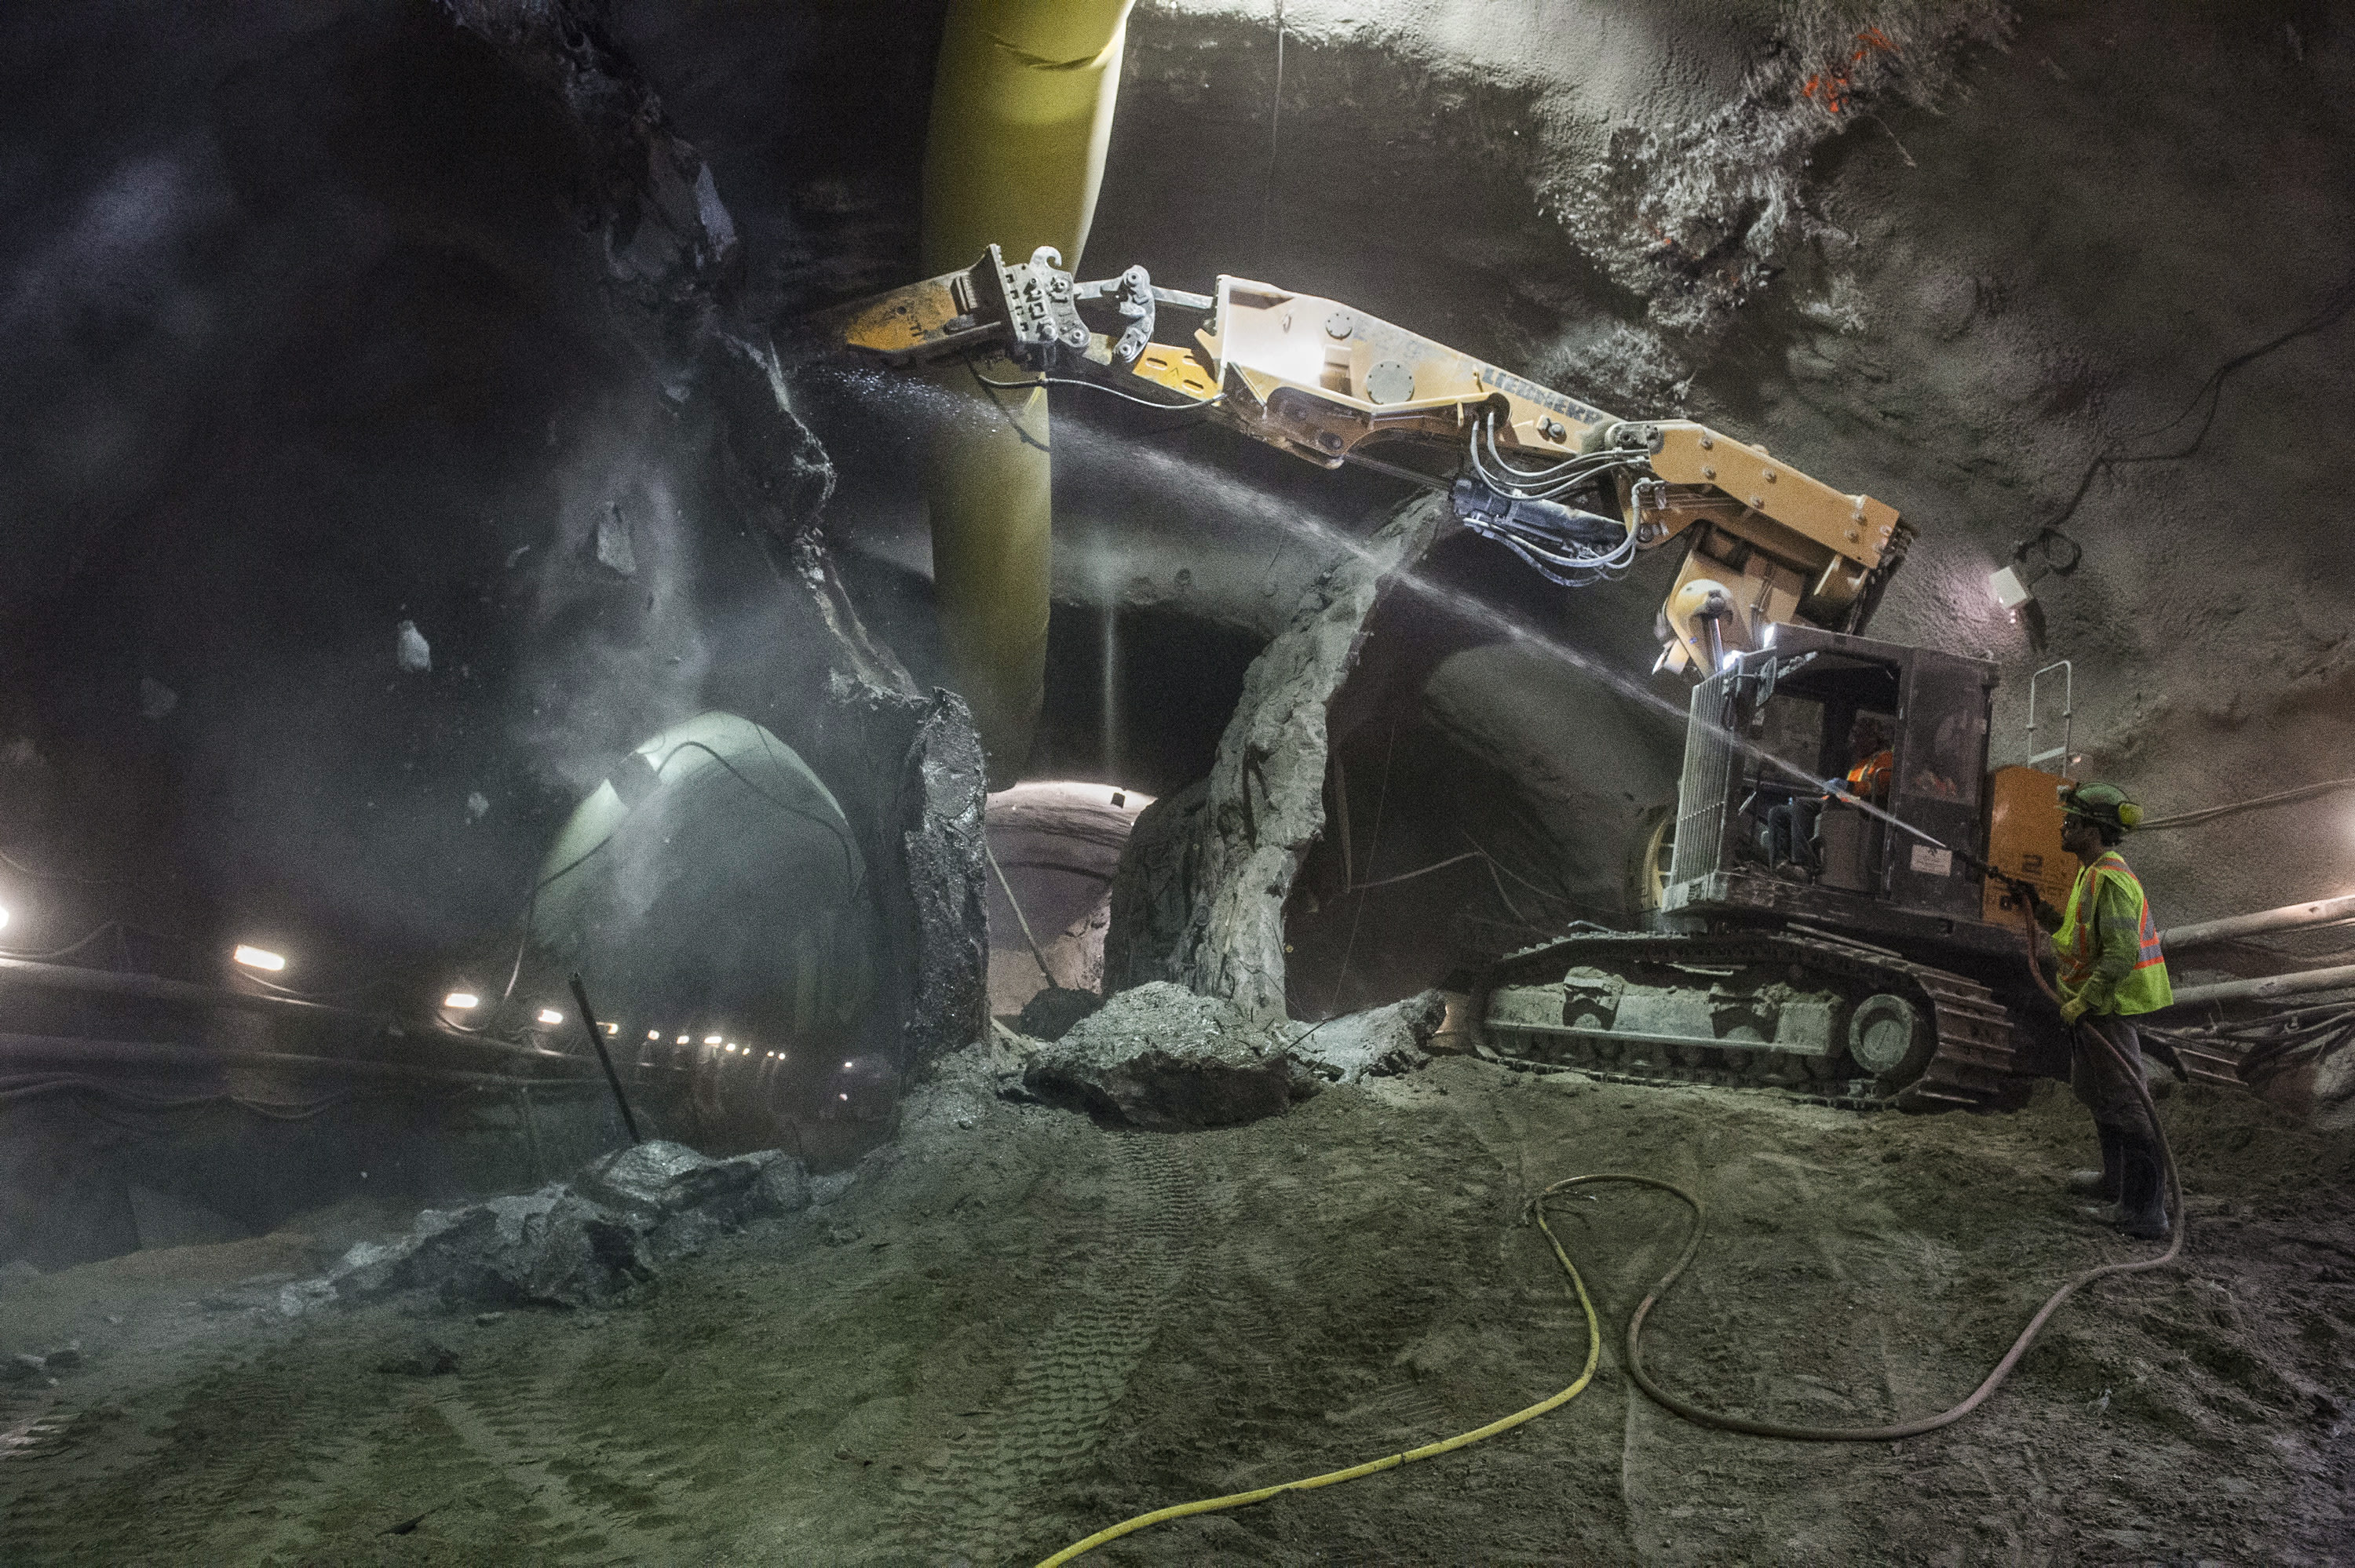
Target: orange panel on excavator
2024	838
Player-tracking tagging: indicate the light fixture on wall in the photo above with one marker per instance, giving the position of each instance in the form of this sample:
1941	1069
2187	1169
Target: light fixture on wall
2054	554
259	958
462	1001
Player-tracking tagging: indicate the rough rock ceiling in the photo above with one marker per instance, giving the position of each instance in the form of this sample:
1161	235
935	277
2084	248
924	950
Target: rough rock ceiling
305	345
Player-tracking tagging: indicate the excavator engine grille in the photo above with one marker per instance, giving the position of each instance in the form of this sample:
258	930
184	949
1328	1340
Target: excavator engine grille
1705	790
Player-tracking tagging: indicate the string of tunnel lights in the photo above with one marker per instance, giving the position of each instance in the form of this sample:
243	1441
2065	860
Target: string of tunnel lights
265	960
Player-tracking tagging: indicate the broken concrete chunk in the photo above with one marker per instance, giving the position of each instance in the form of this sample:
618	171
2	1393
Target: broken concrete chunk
571	1243
1379	1043
663	1179
410	650
66	1355
782	1188
22	1368
1160	1057
657	1177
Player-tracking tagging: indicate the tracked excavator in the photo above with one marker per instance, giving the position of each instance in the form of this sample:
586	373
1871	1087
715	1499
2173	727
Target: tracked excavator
1836	901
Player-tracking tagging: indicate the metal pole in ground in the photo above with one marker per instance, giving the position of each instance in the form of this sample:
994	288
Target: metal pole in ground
597	1038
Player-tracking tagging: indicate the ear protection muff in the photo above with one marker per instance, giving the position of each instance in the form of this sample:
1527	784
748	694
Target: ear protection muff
2109	809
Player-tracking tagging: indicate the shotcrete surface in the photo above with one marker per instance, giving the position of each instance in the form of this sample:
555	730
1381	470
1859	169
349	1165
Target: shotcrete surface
1014	1327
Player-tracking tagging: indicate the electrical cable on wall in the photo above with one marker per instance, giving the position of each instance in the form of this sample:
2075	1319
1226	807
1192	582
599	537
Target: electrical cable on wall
2333	309
2280	798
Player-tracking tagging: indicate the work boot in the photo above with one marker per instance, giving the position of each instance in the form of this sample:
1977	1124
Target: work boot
2102	1184
2142	1191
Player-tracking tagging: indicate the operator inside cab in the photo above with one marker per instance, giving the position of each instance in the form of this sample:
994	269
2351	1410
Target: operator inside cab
2109	968
1875	764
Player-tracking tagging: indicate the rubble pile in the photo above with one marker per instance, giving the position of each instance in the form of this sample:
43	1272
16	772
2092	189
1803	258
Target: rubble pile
577	1243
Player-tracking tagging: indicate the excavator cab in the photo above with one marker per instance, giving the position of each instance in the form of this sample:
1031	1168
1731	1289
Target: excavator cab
1759	835
1802	941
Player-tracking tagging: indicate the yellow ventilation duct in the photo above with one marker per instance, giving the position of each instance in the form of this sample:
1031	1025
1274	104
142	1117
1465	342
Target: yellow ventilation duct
1021	112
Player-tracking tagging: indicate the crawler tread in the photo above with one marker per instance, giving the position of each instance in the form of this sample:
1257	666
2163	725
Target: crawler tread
1976	1064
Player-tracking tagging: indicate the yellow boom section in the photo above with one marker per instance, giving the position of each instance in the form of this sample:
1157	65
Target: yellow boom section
1330	384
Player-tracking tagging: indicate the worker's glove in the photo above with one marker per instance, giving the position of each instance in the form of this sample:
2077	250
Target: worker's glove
2072	1009
2047	916
2153	1047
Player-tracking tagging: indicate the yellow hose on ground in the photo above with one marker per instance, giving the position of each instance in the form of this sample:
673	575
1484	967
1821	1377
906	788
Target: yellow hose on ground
1429	1450
1699	1414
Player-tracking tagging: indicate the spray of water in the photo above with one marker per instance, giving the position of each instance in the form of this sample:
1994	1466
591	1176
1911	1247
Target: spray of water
1199	479
1231	491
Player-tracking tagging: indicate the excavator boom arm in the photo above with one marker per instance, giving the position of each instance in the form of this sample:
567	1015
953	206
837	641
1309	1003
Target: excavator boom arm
1576	491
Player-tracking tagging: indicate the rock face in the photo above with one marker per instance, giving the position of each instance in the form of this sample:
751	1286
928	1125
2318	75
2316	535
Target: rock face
941	802
1227	857
571	1243
906	766
1161	1056
1153	888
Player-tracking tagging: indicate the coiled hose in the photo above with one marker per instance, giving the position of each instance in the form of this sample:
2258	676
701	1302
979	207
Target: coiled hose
1699	1414
2019	1346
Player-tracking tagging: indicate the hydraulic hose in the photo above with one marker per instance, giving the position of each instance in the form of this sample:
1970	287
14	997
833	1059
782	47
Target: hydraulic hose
2012	1357
1699	1414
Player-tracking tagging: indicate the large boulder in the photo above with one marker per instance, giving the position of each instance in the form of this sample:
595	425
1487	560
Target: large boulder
1379	1043
1161	1056
577	1243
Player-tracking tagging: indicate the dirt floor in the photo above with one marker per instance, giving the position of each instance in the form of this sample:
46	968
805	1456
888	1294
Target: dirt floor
1016	1327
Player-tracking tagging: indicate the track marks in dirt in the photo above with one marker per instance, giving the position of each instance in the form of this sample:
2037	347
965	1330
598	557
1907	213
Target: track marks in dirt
598	1500
203	1486
967	1501
40	1449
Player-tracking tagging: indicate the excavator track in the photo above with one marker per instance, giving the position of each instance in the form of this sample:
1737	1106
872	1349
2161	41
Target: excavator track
1854	1024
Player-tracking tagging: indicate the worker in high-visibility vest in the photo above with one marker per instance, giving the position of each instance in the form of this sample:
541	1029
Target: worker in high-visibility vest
2109	968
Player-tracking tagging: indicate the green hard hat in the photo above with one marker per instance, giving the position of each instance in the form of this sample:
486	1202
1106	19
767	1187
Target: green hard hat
2105	804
